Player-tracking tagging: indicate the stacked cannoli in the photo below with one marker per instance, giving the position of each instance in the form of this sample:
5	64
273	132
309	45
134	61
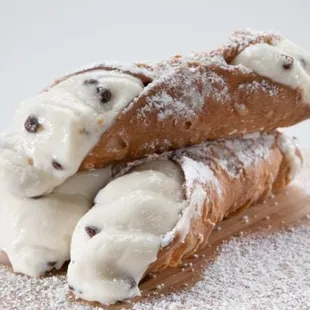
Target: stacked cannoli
125	170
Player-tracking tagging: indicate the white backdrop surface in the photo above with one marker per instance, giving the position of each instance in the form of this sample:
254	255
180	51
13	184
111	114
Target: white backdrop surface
41	39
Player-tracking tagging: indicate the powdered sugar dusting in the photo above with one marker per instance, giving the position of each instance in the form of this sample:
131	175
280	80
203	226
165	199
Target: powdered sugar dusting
198	172
167	238
247	152
27	293
288	147
265	86
199	163
240	39
215	86
181	98
263	272
182	92
233	154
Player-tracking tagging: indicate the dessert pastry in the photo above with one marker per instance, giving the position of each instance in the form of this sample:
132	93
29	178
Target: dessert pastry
36	233
106	114
137	126
256	82
158	211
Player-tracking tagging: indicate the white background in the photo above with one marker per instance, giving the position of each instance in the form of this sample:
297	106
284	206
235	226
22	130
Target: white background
41	40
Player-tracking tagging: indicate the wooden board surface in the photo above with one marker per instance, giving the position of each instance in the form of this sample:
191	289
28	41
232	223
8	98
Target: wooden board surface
290	207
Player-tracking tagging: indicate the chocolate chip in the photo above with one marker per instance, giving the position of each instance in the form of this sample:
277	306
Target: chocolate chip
83	131
51	264
90	82
37	197
57	165
132	283
104	94
32	124
92	231
303	62
287	62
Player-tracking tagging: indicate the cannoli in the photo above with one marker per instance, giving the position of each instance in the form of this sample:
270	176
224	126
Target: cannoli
113	113
256	82
158	211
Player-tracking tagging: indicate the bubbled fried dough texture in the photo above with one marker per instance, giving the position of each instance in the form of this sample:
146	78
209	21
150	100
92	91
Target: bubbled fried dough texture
189	100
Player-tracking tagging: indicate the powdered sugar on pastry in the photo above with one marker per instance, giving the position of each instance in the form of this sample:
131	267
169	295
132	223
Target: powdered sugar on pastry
36	233
53	132
232	154
288	147
283	62
190	99
116	241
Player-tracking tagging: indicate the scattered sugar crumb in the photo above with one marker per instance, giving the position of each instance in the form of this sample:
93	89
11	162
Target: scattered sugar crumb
245	219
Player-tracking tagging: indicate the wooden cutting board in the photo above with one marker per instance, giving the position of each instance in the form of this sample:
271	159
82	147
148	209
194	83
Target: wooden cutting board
290	207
